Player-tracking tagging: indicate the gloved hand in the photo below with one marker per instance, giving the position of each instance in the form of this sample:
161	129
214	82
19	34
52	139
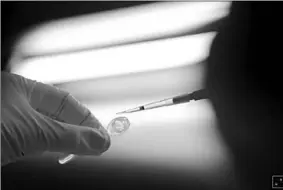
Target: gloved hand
36	117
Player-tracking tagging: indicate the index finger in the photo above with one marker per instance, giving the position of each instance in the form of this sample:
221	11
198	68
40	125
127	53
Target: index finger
61	105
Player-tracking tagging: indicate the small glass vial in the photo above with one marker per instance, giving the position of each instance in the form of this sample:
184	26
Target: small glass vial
117	126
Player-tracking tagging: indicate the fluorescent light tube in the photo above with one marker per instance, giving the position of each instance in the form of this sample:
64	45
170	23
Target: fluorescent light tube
133	58
120	26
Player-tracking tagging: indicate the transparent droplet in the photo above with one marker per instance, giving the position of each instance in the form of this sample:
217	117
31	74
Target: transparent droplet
118	126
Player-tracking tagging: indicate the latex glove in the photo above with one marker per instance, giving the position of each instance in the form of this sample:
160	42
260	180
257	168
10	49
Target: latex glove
37	117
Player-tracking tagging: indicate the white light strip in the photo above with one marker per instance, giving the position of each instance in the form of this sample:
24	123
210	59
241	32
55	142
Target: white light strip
122	25
118	60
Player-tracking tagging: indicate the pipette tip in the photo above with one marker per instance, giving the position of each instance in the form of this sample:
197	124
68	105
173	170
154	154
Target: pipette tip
121	112
130	110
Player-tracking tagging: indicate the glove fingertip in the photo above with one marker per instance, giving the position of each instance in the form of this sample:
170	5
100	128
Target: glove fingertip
94	140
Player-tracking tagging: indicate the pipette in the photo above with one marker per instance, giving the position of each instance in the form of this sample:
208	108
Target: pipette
196	95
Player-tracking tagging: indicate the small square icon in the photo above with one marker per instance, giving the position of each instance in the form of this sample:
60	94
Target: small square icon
277	181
